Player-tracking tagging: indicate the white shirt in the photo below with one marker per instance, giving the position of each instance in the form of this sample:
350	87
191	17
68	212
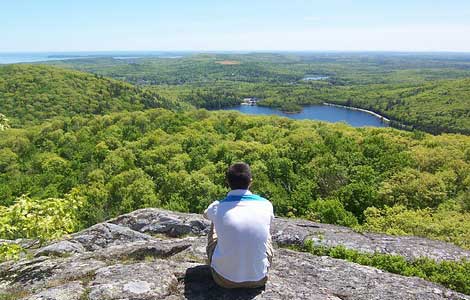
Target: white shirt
242	222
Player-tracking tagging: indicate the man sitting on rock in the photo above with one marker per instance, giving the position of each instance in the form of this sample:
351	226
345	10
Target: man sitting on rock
239	248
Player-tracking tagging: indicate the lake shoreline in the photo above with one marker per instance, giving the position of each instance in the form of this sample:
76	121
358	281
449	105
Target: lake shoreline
384	119
319	112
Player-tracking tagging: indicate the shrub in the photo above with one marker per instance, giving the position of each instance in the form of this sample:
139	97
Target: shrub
331	211
41	219
10	251
442	224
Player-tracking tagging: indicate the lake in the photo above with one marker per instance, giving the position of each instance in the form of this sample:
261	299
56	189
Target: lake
314	78
24	57
13	58
318	112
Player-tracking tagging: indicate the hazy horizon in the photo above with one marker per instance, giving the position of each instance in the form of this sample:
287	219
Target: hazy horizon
233	51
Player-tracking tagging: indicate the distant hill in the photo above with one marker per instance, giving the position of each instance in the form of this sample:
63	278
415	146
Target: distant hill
437	106
32	93
425	92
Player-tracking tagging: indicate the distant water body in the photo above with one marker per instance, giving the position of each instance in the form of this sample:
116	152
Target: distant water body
23	57
314	78
13	58
318	112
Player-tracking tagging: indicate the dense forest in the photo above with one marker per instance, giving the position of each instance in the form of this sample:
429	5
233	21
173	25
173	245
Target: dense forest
381	179
427	92
31	94
340	68
65	164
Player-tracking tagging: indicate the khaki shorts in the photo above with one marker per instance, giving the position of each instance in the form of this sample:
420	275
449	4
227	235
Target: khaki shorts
225	283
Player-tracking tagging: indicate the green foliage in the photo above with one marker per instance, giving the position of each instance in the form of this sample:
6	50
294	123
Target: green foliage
428	92
413	189
291	107
438	106
326	172
451	274
4	122
196	69
41	219
118	162
331	211
31	94
445	223
131	190
8	160
10	252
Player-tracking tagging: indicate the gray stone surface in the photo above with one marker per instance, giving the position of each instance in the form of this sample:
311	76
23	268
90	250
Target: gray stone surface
105	234
303	276
286	232
151	280
39	273
142	250
295	231
60	248
157	221
347	280
122	260
69	291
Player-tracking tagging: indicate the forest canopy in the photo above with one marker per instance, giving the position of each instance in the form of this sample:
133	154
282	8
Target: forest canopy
326	172
428	91
30	94
78	148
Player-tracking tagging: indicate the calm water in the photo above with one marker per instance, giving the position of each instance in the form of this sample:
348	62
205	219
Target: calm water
318	112
23	57
13	58
314	78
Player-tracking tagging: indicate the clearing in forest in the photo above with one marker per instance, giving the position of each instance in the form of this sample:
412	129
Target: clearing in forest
227	62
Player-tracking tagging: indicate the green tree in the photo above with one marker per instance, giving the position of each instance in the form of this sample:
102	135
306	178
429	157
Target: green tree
331	211
413	189
131	190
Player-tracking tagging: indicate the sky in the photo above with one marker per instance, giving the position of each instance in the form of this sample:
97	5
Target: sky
234	25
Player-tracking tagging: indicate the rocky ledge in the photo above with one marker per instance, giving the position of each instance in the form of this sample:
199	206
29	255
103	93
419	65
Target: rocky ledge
157	254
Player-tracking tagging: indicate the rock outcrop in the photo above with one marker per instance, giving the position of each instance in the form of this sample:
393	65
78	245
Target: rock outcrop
157	254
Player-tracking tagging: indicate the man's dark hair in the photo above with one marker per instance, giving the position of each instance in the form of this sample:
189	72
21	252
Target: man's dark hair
239	176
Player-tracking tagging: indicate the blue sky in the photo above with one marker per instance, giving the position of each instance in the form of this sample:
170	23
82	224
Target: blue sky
105	25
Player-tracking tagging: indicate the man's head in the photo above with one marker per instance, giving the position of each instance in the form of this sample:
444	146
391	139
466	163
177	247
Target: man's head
239	176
